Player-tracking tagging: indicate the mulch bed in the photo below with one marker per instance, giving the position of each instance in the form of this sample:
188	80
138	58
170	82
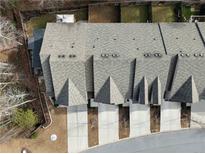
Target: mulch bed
103	13
92	126
185	115
124	122
23	65
154	118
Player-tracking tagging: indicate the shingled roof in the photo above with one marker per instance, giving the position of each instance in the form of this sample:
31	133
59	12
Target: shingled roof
110	93
201	26
68	81
153	68
121	72
181	38
187	92
123	61
188	80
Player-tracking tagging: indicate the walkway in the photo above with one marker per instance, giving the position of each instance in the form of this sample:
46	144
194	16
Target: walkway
170	116
139	120
77	128
108	123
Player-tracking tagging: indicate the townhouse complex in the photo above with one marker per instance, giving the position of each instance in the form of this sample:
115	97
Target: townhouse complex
120	63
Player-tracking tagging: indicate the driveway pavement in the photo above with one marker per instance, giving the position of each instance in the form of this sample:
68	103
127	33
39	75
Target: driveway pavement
187	140
77	128
170	116
108	123
139	120
198	113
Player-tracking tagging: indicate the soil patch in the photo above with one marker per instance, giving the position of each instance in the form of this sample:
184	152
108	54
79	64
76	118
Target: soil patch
124	122
8	56
185	115
163	13
92	126
134	13
154	118
104	13
43	143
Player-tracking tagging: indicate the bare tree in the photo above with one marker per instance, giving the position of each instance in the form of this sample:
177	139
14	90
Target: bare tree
12	94
9	34
51	4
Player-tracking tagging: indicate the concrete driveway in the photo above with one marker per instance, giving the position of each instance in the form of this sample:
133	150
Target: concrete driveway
170	116
139	120
188	140
198	114
77	128
108	123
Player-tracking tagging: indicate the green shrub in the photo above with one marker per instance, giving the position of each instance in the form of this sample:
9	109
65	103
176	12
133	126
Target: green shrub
34	135
25	118
56	105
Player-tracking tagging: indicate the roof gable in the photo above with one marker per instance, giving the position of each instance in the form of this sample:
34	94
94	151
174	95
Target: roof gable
156	97
115	95
187	92
70	95
143	91
110	93
74	95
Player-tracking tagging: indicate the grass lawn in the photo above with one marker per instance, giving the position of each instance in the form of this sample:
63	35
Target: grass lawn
81	14
38	22
104	13
134	13
163	13
186	12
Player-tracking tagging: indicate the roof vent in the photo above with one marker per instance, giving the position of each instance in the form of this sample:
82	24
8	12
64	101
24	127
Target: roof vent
201	55
157	55
182	55
160	55
147	55
188	55
115	55
195	55
61	56
104	55
72	56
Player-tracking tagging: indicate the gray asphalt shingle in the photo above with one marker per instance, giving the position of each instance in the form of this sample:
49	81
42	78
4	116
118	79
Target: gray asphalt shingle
181	37
112	59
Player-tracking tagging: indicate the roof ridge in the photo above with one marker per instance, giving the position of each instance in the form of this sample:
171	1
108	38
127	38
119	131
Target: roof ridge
143	93
187	92
115	94
74	95
156	91
195	95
